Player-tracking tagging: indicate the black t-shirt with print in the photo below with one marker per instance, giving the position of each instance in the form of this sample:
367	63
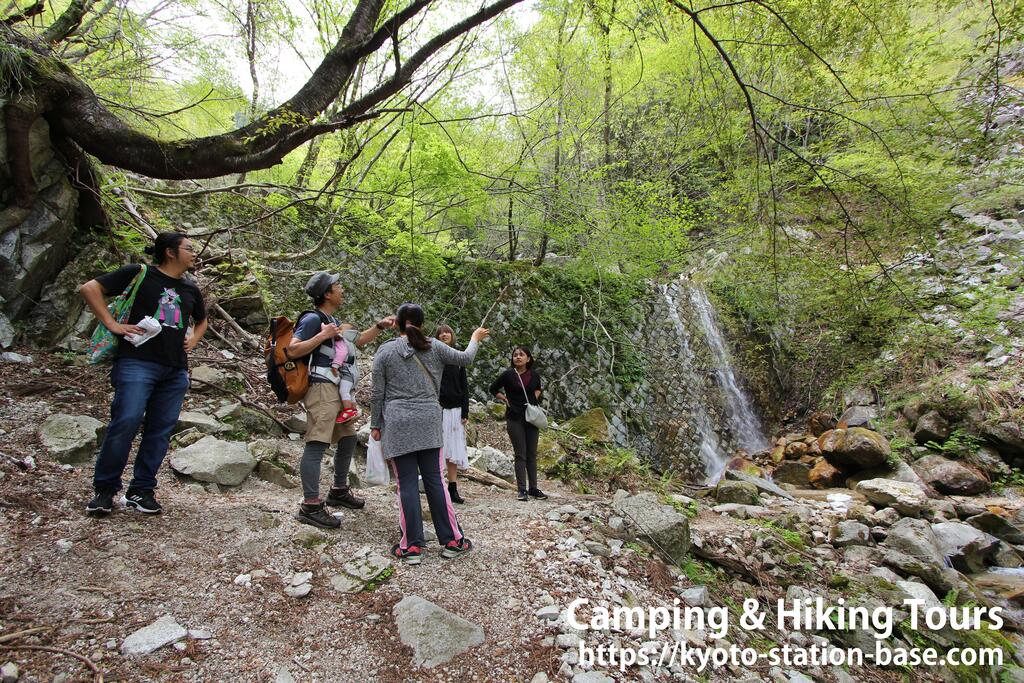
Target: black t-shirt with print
170	301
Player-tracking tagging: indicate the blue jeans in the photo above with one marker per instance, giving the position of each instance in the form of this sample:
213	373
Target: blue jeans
147	395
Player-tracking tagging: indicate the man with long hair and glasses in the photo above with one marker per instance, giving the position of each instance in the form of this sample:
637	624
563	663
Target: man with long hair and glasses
150	373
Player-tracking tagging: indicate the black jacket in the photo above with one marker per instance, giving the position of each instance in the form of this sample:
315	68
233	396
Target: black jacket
508	384
454	391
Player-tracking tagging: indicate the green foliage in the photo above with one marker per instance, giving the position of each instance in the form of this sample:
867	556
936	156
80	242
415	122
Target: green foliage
380	579
790	537
960	444
1015	479
701	572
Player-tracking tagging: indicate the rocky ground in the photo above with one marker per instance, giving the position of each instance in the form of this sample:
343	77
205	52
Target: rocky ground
226	585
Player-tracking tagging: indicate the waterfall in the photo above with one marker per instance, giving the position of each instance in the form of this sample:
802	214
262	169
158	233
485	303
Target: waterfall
743	421
710	450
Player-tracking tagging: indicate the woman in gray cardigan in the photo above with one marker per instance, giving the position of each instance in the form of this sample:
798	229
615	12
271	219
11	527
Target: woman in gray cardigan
406	418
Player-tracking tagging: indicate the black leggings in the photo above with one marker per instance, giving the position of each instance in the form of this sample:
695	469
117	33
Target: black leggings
524	442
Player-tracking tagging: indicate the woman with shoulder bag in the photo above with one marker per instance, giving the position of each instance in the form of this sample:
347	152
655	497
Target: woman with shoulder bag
455	414
406	419
520	389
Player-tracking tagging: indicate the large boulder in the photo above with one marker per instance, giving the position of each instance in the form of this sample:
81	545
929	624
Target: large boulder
592	424
916	538
251	422
1000	527
1007	437
794	473
227	463
858	416
498	463
988	460
743	465
419	624
908	499
967	548
849	532
740	492
762	484
37	241
931	427
71	439
939	578
900	472
825	475
951	477
855	448
818	423
661	525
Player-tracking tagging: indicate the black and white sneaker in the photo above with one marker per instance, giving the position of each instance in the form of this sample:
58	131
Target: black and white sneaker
101	505
522	496
538	494
143	501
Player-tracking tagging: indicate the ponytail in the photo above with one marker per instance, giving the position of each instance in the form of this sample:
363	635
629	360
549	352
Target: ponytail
410	320
163	242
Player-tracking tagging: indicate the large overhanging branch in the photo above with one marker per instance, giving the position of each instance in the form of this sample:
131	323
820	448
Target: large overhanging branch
68	22
263	142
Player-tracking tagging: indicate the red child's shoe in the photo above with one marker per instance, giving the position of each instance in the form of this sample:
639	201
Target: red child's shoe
347	414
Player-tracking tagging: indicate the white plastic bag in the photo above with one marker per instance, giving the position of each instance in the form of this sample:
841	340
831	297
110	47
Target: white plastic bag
376	468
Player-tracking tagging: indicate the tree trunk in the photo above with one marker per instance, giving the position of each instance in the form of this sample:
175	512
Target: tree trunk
554	203
513	237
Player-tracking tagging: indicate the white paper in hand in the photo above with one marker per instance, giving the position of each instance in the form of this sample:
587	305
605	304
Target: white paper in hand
151	327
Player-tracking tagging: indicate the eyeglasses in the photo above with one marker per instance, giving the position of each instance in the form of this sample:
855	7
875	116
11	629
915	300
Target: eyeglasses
189	248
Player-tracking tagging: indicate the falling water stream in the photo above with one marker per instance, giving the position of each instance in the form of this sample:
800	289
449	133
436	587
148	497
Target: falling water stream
710	450
745	424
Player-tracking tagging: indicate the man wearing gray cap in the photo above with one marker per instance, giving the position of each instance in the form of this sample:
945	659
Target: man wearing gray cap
315	336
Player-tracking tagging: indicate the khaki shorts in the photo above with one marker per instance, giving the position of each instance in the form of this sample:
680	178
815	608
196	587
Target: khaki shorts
323	403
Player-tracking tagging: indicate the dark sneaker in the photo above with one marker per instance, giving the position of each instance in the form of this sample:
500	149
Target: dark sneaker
522	496
410	555
538	494
317	515
101	505
343	498
457	548
143	501
453	493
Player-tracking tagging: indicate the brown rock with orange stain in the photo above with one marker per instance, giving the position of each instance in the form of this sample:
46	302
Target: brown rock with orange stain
825	475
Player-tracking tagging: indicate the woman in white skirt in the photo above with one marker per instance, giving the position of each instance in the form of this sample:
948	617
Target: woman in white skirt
454	397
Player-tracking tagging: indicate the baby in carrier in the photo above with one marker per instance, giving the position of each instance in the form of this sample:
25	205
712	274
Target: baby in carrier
344	367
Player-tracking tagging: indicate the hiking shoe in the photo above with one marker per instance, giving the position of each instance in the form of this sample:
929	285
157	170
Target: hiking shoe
143	501
342	497
538	494
317	515
522	496
101	505
453	493
410	555
457	548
